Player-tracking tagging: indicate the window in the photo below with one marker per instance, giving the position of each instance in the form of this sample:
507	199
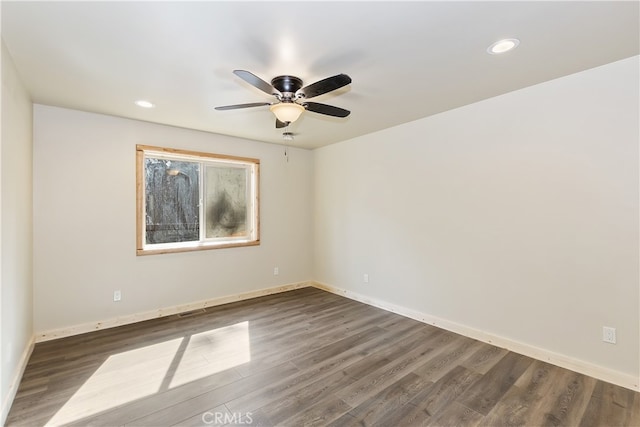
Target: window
192	201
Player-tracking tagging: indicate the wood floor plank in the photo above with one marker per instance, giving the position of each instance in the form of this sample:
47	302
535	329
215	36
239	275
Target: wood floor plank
456	415
217	417
305	346
399	323
300	401
344	420
378	379
485	357
321	413
409	415
485	393
611	405
336	348
214	391
634	417
431	400
304	357
523	400
194	406
392	398
394	348
447	357
345	361
567	400
258	419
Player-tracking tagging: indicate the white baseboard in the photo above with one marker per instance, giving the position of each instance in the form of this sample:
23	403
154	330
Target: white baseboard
162	312
577	365
7	400
580	366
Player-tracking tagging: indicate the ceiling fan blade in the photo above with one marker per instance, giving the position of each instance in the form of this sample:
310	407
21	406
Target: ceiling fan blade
237	106
324	86
256	81
328	110
280	124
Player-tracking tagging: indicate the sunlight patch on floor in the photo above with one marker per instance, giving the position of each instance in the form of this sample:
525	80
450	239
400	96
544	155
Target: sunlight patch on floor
144	371
221	349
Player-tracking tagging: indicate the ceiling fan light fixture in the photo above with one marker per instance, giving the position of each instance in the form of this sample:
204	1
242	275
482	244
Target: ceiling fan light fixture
287	111
502	46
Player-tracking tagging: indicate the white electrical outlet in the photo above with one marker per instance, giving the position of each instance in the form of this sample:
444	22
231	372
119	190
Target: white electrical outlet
276	271
365	278
117	296
609	334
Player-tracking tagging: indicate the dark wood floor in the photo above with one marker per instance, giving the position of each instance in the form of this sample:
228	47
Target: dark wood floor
304	357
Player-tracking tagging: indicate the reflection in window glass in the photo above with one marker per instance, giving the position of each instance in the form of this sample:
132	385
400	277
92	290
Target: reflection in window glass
172	195
226	202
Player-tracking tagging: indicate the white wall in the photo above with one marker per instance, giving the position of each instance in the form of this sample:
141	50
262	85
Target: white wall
16	305
84	222
516	216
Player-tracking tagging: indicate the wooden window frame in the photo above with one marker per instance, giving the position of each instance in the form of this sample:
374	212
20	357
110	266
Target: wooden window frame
142	248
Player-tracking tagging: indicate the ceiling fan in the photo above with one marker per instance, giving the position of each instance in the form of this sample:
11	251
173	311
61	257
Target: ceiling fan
292	97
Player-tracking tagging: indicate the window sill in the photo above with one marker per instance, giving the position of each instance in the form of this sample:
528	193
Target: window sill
202	247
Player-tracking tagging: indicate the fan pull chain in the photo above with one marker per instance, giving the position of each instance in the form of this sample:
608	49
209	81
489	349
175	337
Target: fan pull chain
286	147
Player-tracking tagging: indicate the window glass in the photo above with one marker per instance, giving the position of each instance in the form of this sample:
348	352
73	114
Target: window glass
191	201
226	207
172	200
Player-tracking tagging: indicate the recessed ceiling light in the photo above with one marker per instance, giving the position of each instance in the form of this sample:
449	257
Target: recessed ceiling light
144	104
502	46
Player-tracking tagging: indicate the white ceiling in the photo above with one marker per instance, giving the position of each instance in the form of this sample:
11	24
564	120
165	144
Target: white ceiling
408	60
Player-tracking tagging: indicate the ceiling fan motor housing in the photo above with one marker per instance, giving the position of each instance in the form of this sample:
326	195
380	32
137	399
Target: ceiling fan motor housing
287	85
